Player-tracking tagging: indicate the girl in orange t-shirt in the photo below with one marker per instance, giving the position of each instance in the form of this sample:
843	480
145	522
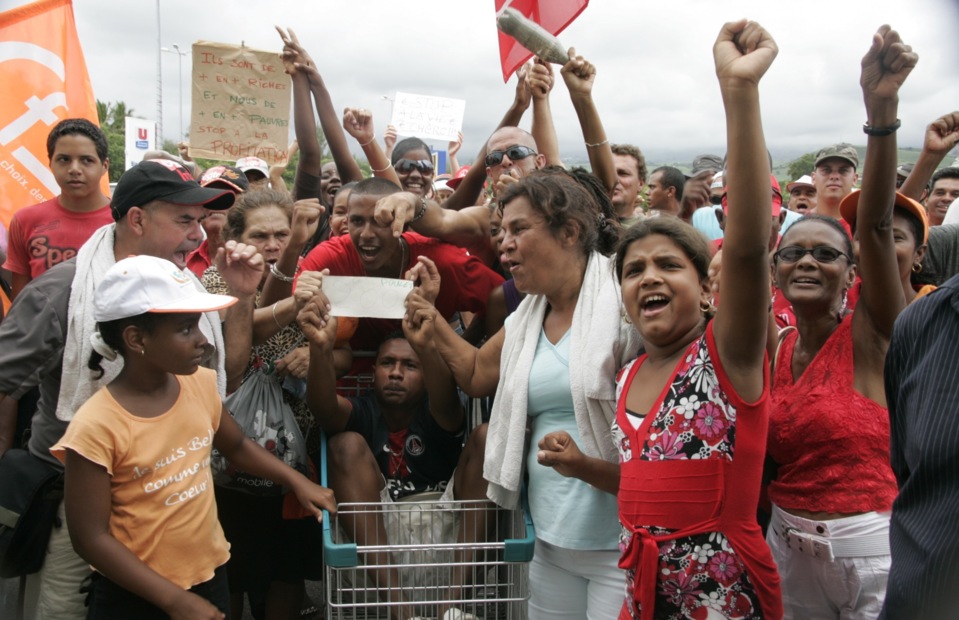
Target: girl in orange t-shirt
139	491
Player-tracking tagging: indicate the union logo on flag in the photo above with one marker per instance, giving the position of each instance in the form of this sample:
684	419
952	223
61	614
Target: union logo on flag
44	81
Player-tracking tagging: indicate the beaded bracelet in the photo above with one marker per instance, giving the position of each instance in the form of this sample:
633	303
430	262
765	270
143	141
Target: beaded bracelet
419	214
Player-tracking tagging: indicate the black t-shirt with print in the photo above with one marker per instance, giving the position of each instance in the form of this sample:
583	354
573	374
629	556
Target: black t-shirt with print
428	456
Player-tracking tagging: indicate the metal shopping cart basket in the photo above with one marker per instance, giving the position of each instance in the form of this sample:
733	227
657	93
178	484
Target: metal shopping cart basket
414	541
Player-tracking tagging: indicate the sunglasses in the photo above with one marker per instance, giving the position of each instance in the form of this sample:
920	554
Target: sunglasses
822	254
515	153
406	165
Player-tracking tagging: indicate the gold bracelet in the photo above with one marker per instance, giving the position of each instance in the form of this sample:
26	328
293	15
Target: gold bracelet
275	320
388	166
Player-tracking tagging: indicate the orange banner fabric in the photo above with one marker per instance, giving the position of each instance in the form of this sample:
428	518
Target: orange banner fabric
44	81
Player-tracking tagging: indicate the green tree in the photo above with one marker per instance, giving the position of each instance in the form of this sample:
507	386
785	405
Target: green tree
112	118
801	165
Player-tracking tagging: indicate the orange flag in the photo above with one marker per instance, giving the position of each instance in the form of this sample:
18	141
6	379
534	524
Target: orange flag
44	80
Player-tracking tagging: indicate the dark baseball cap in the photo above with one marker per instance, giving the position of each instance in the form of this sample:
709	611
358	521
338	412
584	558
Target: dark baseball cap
841	151
162	179
225	177
705	162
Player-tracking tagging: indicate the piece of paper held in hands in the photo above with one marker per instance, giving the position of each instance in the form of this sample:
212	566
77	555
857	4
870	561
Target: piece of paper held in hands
378	298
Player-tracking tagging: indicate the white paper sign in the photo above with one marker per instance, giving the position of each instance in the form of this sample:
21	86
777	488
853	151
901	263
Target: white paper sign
378	298
140	137
427	117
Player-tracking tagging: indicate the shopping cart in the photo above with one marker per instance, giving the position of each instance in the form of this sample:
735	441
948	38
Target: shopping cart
420	552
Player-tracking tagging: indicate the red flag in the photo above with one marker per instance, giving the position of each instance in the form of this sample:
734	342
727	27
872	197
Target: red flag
553	15
44	80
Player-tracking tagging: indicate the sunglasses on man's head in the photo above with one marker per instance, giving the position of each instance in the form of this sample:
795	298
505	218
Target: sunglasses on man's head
515	153
822	254
406	165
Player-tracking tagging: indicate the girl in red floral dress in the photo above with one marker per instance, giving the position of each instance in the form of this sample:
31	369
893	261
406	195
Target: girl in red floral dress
692	414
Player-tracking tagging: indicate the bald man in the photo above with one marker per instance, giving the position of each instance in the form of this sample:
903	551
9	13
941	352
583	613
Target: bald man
511	154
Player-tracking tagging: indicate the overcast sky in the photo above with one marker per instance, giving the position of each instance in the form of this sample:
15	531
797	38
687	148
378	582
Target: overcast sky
655	85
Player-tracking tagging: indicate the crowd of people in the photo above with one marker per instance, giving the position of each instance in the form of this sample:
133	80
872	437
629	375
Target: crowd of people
717	399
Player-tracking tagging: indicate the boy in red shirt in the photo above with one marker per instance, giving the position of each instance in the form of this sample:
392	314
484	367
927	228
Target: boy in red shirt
51	232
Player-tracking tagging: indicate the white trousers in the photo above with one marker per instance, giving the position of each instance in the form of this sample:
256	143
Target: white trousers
815	587
573	584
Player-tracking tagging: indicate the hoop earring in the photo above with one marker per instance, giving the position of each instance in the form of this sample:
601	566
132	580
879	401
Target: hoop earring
842	306
626	319
706	307
917	267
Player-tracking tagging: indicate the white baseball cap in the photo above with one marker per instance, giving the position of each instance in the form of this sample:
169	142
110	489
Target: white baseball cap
246	164
803	181
141	284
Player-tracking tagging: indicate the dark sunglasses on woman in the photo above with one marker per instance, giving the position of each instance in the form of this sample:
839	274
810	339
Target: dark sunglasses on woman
822	254
425	166
515	153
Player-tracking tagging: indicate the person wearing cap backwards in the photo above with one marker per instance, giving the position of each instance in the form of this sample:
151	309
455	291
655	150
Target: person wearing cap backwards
834	175
45	339
219	177
802	195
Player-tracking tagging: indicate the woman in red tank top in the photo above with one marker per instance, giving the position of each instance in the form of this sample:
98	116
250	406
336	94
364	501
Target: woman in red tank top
829	428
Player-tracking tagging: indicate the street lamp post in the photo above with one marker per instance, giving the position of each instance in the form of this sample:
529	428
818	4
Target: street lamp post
176	50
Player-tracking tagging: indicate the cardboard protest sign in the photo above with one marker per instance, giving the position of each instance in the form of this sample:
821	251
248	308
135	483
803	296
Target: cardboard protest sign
427	117
241	104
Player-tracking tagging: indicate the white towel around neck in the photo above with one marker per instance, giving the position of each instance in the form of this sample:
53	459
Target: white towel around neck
77	381
600	343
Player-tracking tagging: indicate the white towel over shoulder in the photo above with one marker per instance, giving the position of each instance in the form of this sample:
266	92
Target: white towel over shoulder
78	382
600	343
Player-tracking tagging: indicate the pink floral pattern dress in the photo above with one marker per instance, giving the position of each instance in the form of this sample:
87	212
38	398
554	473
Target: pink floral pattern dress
686	548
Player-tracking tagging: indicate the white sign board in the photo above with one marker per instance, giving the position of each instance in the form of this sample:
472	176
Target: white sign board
427	117
378	298
140	137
